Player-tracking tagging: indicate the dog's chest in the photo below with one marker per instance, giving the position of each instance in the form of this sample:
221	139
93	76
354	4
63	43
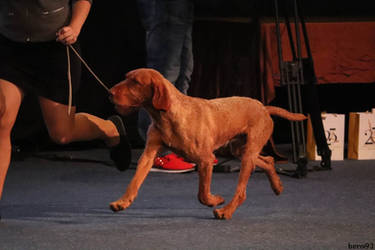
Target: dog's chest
173	137
176	134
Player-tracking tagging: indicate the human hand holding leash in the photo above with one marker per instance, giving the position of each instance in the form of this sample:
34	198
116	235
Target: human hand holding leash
67	35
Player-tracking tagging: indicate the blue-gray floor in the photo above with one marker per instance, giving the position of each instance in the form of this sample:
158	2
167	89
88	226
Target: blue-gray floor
64	205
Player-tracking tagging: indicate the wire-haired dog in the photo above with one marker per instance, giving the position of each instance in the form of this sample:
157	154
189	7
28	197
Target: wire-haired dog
195	128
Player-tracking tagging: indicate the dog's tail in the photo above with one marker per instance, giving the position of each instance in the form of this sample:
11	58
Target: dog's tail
285	113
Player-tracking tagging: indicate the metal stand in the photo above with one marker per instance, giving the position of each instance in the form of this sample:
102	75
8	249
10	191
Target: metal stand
298	75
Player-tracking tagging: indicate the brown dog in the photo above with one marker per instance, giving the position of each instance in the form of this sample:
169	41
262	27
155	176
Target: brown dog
195	128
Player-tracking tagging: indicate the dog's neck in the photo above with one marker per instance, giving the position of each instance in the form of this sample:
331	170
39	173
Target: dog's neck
162	116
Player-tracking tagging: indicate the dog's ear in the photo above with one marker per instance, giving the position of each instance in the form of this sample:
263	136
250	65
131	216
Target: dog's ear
160	99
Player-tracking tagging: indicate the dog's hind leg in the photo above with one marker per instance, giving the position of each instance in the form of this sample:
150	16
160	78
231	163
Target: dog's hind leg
257	137
267	163
247	167
205	176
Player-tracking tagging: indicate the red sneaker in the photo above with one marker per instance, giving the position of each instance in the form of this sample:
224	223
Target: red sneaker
171	163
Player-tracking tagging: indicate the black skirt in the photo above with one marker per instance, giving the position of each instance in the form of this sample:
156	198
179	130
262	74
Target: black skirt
40	68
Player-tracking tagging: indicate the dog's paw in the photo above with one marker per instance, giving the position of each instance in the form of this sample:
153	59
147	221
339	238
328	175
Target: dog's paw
222	214
212	200
277	189
217	200
118	206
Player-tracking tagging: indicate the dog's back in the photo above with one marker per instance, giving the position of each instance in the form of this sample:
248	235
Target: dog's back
218	120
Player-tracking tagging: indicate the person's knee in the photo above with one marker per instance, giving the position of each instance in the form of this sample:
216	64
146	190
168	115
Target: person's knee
61	137
2	107
10	99
5	123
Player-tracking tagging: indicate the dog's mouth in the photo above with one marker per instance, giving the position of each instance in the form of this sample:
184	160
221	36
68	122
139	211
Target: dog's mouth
124	110
121	109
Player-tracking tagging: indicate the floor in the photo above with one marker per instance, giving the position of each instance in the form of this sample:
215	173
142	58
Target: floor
59	200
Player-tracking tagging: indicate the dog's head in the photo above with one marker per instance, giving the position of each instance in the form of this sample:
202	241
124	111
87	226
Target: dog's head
140	88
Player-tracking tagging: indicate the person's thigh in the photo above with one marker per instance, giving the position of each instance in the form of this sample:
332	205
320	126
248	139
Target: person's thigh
166	36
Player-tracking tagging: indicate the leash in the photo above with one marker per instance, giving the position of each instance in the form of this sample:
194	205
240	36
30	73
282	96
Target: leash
70	77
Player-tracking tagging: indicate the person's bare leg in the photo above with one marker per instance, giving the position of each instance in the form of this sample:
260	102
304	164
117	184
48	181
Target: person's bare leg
64	128
10	100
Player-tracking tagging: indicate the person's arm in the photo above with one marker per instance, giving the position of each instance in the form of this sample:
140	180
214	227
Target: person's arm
69	34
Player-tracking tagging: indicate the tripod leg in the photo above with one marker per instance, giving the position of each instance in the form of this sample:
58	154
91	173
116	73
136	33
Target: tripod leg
291	74
311	98
298	132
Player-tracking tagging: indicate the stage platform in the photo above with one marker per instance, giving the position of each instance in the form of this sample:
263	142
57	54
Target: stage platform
50	204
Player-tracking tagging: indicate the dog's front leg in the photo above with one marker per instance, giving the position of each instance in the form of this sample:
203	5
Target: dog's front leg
144	165
205	176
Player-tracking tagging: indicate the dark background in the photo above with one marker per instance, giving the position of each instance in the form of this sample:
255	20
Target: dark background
113	43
